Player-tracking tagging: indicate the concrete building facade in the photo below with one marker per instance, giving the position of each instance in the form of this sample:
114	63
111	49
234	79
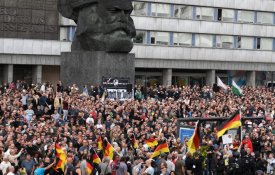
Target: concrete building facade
178	42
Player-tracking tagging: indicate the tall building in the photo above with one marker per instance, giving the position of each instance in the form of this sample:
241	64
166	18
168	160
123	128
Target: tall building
178	41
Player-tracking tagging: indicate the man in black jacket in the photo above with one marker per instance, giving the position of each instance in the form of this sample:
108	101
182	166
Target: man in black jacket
220	165
197	167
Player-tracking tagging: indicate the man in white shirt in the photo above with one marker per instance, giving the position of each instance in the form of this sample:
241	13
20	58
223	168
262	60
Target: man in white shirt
29	113
170	164
148	169
90	120
270	165
43	88
5	164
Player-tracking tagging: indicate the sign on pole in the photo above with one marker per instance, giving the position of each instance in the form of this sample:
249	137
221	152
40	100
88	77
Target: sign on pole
185	132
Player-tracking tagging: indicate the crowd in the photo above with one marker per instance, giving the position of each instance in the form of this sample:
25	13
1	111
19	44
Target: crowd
32	117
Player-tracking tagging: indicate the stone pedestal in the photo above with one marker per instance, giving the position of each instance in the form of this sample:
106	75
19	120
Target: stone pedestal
167	77
251	78
210	77
88	68
8	73
37	74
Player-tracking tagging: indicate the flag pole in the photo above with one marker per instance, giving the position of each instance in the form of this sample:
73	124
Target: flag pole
113	147
95	153
241	131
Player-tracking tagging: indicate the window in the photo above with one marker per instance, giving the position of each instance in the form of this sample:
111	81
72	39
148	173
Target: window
264	43
228	15
203	40
219	14
246	16
140	37
182	39
245	42
184	12
225	41
161	10
258	43
64	33
140	8
264	18
160	38
205	13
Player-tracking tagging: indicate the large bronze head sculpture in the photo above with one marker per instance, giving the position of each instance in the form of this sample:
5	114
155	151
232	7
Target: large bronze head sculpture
102	25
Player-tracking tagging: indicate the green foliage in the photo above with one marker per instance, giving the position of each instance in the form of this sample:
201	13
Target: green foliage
203	153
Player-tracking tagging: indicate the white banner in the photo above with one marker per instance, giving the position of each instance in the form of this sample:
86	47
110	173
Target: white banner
227	139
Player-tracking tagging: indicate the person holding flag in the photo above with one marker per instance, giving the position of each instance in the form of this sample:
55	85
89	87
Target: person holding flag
93	162
108	149
134	142
194	142
90	168
99	143
221	84
236	89
61	157
233	122
151	142
94	157
161	148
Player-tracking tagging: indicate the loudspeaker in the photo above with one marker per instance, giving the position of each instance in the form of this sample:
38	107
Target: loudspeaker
129	87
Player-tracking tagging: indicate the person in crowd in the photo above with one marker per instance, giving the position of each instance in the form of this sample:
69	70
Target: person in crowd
148	169
271	164
28	164
40	170
170	164
105	166
189	164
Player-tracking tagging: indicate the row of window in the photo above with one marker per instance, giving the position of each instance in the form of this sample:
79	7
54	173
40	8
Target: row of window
202	13
204	40
190	40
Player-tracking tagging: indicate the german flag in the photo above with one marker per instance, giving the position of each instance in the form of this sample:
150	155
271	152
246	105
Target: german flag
161	148
233	122
61	156
108	149
90	168
152	142
99	143
134	142
94	157
194	142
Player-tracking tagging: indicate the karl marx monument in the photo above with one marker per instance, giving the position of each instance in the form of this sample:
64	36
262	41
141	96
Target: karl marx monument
102	41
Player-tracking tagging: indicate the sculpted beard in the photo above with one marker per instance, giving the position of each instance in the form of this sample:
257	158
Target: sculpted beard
109	36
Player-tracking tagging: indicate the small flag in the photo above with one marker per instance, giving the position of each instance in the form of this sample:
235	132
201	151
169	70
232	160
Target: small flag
152	142
194	142
108	149
221	84
99	143
61	156
94	157
134	142
236	89
233	122
161	148
90	168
